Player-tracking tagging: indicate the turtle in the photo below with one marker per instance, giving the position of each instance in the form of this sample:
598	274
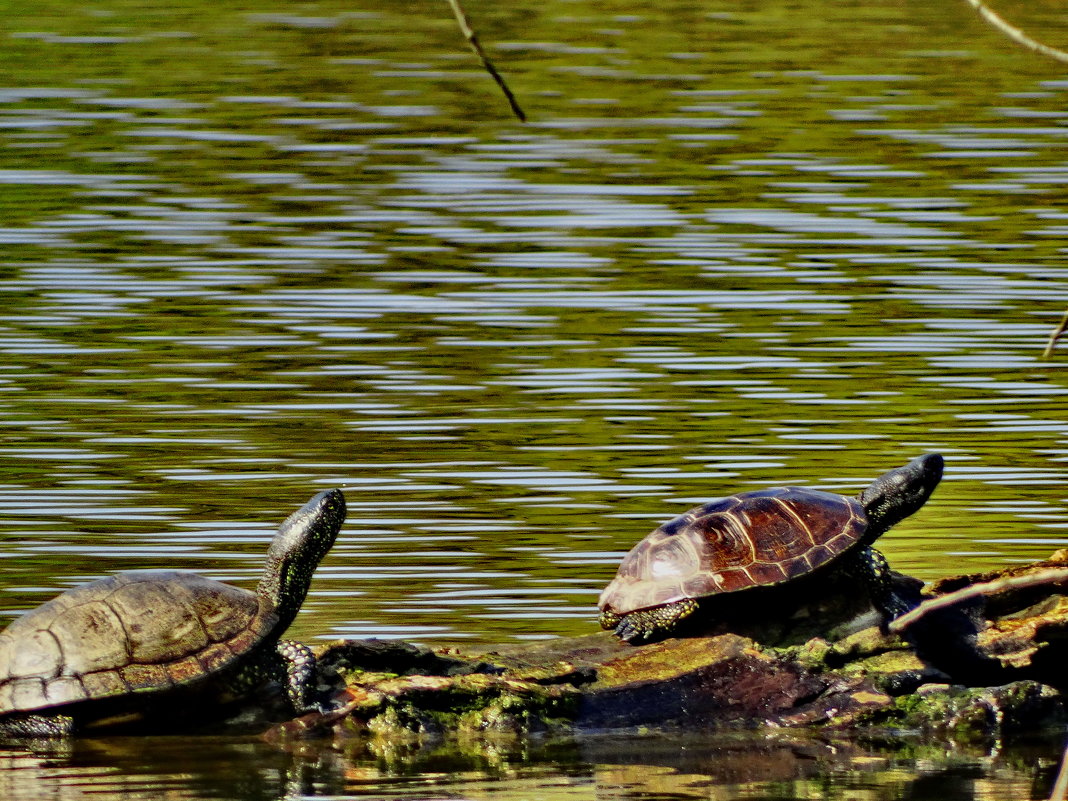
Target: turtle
761	539
132	648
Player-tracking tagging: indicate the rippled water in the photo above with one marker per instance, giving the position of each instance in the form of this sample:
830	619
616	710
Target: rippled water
247	256
680	767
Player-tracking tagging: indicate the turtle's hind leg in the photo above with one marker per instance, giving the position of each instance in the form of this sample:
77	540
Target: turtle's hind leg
655	623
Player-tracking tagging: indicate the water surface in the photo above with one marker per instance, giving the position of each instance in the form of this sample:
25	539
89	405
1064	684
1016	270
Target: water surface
251	255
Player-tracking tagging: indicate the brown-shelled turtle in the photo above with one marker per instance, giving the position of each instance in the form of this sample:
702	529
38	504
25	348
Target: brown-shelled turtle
142	645
761	539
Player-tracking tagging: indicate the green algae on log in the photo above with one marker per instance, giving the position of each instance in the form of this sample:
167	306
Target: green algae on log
989	667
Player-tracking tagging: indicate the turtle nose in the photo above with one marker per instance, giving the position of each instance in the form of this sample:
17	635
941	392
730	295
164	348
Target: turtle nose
316	522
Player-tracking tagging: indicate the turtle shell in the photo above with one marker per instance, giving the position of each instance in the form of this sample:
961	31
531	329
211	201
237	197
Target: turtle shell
138	632
753	539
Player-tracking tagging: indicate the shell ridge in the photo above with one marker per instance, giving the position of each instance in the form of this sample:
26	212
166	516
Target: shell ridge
740	525
747	540
799	522
127	640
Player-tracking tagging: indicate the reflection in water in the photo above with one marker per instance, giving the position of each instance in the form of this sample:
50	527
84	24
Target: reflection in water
197	768
250	256
681	766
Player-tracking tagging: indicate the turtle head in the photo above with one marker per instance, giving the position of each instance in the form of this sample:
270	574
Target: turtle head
895	495
296	550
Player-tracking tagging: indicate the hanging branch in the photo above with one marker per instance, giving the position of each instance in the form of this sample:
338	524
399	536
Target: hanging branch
472	39
1020	37
1015	33
1060	329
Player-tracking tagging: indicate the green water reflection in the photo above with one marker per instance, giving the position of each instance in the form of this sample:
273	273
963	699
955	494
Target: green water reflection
681	767
249	253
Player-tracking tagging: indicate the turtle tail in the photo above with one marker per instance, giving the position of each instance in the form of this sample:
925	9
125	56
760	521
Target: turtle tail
895	495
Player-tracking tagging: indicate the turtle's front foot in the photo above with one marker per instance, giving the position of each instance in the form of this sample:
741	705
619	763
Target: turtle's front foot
647	625
893	605
300	674
635	630
891	602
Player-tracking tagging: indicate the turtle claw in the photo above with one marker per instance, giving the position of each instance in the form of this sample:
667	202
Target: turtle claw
631	628
656	623
627	631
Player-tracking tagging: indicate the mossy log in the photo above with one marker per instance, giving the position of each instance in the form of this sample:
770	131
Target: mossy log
990	666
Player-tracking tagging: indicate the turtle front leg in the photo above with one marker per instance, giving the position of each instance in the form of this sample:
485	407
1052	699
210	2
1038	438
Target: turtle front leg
647	625
291	664
875	571
298	667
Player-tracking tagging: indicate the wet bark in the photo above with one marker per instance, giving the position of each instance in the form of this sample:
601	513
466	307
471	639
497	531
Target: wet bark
987	667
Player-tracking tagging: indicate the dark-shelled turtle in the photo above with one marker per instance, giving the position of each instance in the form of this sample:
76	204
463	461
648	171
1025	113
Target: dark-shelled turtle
139	646
762	539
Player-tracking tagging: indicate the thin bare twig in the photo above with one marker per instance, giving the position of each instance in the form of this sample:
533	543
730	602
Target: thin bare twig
1015	33
1048	576
472	39
1022	38
1060	329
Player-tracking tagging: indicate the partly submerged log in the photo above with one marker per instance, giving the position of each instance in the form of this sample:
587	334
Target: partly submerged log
990	665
